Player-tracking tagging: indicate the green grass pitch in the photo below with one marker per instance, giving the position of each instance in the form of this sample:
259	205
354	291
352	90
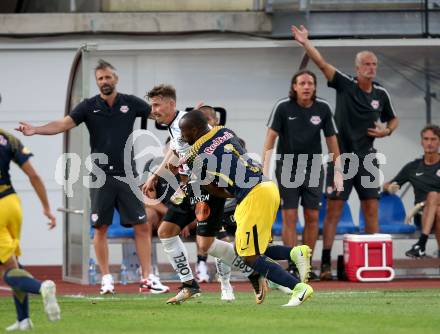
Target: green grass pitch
413	311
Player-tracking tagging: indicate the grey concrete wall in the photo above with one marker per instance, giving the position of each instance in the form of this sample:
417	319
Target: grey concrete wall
33	88
31	24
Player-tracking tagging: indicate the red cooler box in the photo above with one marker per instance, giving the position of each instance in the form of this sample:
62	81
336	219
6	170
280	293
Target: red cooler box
368	258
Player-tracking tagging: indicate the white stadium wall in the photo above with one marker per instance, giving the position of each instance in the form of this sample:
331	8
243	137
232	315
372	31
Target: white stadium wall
33	88
244	75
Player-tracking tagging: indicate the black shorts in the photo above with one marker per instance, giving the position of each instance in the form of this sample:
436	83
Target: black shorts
181	215
210	210
366	180
116	194
310	190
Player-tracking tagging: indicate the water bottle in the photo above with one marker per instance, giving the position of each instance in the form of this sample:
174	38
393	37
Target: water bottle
138	273
123	276
92	272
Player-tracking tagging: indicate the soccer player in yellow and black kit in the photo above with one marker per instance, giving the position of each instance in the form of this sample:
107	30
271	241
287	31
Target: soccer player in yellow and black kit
21	281
219	164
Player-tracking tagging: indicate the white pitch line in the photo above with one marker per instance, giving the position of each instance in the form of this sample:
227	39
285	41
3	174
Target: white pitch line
373	292
109	298
345	292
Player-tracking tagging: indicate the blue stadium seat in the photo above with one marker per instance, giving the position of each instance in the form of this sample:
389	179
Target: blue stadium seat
391	216
116	230
277	226
345	225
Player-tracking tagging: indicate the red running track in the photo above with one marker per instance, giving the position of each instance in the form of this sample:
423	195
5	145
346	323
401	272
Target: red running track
65	288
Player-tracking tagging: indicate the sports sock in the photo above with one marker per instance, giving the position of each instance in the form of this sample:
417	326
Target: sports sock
225	251
422	241
325	258
223	271
278	252
202	258
274	272
21	302
178	257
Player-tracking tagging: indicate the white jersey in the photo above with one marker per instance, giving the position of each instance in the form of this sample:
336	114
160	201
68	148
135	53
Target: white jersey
176	143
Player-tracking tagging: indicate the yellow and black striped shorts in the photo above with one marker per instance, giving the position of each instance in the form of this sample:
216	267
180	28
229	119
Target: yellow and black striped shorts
10	227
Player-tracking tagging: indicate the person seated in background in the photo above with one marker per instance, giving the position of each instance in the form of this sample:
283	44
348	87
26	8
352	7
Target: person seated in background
424	175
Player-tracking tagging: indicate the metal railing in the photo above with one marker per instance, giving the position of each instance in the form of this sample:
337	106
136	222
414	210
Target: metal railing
358	18
350	5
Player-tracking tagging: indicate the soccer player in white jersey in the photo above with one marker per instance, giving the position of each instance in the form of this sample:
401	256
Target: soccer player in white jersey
163	103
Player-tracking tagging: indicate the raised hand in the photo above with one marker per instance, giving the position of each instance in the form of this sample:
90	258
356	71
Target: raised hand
199	104
301	34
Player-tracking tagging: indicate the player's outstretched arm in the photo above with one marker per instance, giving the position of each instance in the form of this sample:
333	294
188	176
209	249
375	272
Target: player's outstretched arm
301	35
40	189
51	128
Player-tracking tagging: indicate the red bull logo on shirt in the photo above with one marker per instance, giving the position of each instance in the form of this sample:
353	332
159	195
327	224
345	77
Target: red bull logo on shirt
217	141
124	109
375	104
315	120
